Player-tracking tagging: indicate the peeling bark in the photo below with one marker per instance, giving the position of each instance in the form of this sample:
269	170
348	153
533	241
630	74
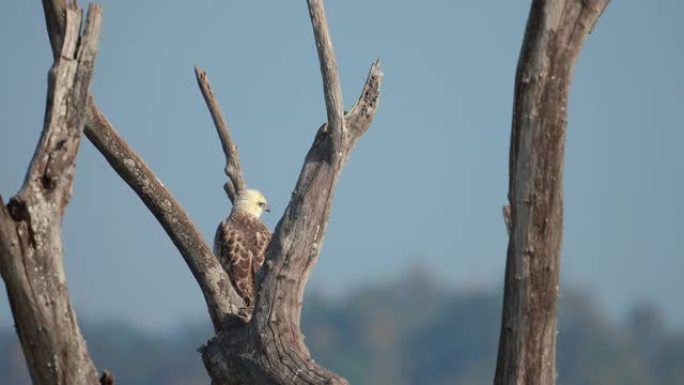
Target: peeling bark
553	39
31	260
222	300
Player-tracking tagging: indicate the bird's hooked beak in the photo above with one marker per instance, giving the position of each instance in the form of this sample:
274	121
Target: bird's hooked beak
268	208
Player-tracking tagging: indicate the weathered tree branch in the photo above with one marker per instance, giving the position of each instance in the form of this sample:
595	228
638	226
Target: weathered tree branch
298	236
236	183
31	260
553	39
332	90
271	349
222	300
55	20
360	117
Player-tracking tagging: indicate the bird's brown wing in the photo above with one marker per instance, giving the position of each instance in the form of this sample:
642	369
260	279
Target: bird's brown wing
236	258
262	237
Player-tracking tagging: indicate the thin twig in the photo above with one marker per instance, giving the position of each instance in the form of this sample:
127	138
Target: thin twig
236	184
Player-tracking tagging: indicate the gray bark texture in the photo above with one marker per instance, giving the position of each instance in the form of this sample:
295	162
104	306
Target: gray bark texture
266	347
554	36
222	299
236	181
31	260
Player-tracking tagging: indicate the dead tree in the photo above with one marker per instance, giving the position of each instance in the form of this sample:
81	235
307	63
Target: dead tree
264	348
534	217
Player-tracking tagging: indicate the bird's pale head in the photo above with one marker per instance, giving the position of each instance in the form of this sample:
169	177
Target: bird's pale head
251	202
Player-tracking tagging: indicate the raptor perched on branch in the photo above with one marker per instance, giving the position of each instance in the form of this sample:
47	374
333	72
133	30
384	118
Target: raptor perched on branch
241	241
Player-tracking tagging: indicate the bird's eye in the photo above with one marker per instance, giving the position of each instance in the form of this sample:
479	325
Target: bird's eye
262	204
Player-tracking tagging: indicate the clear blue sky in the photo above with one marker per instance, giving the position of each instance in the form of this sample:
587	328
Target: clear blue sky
425	186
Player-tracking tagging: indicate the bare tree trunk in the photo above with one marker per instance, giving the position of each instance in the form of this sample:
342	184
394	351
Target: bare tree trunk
30	226
553	39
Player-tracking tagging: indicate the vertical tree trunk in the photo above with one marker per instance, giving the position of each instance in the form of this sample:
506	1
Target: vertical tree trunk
553	39
30	226
222	300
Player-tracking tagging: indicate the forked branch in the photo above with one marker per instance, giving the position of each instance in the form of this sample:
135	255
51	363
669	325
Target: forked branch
222	300
271	349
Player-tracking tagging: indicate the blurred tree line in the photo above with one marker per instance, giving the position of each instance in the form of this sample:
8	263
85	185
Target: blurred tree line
410	332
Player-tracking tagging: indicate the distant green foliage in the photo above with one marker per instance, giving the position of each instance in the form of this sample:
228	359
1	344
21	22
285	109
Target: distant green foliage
412	332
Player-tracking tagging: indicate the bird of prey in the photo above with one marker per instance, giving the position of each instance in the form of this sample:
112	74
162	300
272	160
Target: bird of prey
241	241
